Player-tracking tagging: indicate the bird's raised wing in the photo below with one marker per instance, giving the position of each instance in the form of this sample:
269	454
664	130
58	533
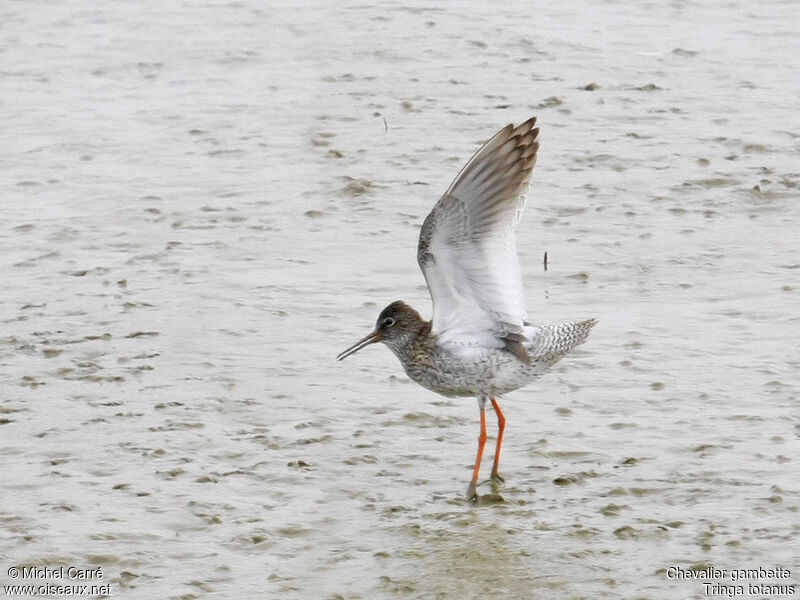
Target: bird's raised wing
467	248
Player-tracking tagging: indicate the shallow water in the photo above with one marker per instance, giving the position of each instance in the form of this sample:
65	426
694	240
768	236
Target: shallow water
204	204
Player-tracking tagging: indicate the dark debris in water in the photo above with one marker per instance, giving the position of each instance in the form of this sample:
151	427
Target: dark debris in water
675	524
29	381
298	464
612	510
626	532
171	425
356	187
565	480
490	499
549	102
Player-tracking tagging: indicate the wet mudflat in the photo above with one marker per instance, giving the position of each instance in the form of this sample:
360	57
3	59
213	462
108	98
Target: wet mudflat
204	204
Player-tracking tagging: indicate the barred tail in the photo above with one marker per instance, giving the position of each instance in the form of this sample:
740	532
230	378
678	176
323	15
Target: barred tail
551	342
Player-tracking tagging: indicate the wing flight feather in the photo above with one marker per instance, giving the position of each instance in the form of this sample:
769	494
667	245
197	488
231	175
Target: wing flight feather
467	247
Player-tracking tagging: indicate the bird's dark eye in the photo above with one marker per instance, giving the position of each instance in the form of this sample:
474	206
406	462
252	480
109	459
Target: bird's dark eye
388	322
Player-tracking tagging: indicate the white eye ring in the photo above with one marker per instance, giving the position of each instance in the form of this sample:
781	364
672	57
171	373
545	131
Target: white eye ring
388	322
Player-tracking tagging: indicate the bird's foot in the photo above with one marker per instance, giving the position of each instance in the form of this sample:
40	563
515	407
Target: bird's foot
472	492
487	499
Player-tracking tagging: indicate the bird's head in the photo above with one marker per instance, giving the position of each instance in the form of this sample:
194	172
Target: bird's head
397	324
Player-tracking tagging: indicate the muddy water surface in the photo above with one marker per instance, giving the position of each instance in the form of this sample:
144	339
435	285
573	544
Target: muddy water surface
202	204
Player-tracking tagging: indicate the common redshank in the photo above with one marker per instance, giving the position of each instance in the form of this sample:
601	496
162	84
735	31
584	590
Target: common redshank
479	341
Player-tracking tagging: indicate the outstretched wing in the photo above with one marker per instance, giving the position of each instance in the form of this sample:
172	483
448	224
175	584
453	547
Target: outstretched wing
467	248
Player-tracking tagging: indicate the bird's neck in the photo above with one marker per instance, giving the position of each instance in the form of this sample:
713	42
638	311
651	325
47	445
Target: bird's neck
415	340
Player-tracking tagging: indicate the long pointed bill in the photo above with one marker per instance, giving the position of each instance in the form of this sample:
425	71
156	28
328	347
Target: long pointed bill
373	337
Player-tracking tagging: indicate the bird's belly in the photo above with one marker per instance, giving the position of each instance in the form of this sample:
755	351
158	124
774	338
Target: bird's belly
490	372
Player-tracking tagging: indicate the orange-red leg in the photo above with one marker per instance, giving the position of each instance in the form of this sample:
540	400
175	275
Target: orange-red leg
473	485
501	426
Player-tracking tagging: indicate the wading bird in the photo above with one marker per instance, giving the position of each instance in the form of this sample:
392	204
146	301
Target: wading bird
479	341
